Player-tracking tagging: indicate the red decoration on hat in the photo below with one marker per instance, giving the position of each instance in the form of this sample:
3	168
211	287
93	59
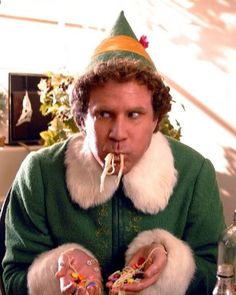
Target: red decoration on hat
143	40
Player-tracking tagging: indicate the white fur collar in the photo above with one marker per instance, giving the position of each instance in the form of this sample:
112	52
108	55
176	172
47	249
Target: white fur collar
149	184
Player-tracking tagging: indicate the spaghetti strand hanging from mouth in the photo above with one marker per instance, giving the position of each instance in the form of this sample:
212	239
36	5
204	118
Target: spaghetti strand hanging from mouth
109	169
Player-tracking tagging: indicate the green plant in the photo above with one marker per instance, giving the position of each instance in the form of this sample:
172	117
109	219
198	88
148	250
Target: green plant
169	129
54	97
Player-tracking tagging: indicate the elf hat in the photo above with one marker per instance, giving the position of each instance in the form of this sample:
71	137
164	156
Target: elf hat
122	43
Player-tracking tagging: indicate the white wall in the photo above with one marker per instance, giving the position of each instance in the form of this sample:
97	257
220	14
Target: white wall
192	43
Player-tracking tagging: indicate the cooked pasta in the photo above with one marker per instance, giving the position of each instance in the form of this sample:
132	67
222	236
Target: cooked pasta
109	169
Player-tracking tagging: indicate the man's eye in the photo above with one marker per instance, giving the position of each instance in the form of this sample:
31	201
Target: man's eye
134	115
103	115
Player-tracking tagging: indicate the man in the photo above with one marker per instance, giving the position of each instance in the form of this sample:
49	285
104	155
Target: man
118	194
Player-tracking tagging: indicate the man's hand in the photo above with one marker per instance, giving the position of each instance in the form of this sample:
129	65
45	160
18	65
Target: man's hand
78	273
155	257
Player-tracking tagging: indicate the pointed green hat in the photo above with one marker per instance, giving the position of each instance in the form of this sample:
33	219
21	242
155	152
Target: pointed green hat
122	43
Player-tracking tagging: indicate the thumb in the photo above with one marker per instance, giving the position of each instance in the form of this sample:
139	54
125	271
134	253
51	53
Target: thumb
62	266
137	260
60	273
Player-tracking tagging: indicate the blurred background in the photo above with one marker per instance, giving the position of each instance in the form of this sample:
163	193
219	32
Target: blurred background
193	44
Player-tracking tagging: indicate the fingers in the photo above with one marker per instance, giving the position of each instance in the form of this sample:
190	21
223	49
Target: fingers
91	289
68	289
109	284
62	266
143	284
156	264
135	287
60	273
136	257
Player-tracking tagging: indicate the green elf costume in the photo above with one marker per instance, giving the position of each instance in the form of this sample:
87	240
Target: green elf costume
170	197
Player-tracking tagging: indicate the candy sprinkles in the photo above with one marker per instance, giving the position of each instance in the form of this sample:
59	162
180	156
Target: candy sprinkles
82	282
109	169
131	274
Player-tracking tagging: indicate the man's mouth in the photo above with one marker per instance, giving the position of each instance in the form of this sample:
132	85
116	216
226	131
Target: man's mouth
117	158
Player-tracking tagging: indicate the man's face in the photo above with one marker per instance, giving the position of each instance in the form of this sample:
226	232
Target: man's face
120	120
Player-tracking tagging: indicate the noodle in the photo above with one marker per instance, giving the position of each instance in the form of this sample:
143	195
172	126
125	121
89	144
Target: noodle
121	168
109	169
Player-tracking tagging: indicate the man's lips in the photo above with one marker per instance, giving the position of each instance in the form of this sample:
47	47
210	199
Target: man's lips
117	156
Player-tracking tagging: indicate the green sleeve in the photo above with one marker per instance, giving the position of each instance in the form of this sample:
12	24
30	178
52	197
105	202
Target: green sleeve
206	222
26	230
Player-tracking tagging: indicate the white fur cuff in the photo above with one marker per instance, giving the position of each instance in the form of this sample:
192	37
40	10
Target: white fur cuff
180	267
41	276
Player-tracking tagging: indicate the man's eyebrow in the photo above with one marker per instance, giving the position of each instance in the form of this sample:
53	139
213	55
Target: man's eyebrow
138	109
105	108
102	108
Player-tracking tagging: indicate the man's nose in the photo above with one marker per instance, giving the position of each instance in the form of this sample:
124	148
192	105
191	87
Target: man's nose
118	130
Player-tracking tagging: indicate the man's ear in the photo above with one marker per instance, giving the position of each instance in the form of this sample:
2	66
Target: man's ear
155	125
82	123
